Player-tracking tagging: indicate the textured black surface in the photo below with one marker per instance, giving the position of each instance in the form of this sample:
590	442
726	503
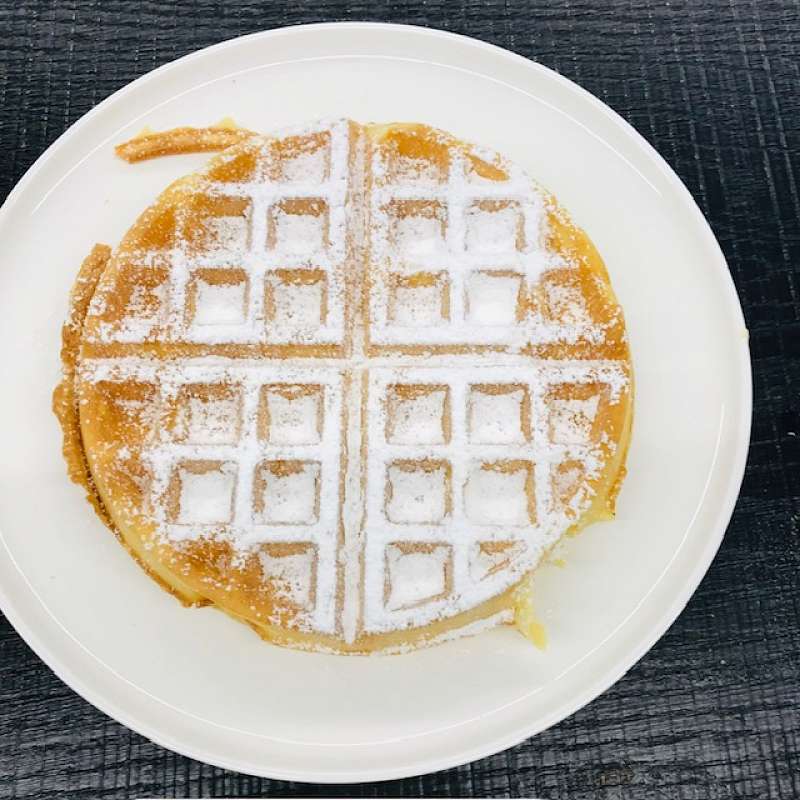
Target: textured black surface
713	710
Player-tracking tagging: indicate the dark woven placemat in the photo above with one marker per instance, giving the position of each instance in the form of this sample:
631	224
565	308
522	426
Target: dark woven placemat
713	711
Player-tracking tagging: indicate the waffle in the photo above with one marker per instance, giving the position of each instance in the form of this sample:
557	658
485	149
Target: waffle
349	384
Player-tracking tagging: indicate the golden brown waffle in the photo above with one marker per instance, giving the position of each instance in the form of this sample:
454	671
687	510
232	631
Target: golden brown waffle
348	383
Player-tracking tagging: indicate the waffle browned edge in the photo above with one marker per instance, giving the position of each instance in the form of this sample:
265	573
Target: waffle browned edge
65	403
180	141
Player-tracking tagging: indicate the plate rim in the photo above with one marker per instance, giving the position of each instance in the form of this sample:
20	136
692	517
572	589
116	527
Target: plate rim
669	613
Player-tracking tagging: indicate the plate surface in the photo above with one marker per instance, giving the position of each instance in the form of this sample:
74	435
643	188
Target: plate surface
194	681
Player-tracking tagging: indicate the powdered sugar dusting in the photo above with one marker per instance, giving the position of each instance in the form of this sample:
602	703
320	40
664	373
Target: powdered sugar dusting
460	470
486	242
206	498
274	230
481	467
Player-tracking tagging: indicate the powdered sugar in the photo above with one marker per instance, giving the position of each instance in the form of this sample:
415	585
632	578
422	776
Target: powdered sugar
497	417
283	228
459	471
206	497
486	241
219	304
481	467
209	421
294	574
288	496
493	299
416	577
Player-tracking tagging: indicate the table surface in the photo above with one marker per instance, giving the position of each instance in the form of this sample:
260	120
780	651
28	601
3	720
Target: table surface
713	711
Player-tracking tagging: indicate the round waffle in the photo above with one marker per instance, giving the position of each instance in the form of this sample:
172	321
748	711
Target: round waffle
348	384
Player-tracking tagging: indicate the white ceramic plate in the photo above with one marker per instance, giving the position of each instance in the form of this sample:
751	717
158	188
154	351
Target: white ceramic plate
196	682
